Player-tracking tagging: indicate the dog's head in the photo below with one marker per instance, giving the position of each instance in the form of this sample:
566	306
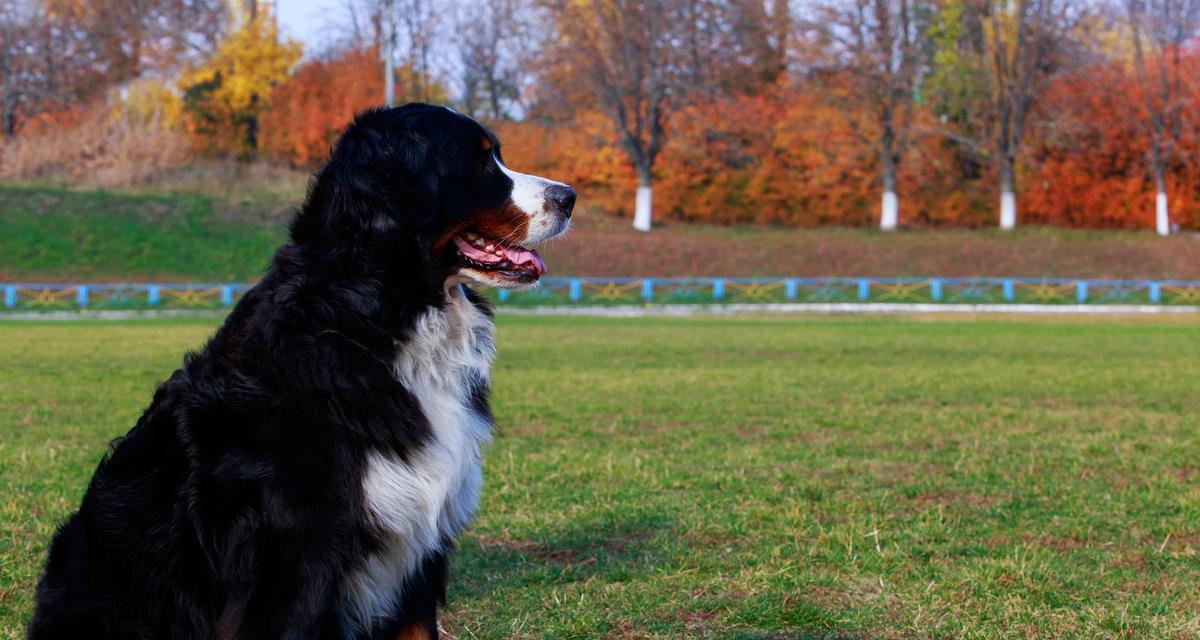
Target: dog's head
433	173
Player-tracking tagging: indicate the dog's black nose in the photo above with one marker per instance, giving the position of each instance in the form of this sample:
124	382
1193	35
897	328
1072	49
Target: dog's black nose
564	197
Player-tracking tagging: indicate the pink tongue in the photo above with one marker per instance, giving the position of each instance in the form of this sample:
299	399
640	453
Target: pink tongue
514	255
524	256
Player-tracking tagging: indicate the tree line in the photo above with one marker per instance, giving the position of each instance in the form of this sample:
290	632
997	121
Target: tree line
861	112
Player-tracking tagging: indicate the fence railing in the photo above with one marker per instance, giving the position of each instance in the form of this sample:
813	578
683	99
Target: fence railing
625	291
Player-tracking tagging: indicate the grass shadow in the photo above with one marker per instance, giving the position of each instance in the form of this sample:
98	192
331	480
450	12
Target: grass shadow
614	551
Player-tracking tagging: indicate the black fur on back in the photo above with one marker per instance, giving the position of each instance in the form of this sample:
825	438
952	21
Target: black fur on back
234	507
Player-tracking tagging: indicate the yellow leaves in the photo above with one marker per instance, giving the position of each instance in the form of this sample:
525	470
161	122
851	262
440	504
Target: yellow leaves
248	63
148	102
225	95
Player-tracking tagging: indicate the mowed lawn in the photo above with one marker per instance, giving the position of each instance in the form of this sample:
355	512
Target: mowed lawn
782	477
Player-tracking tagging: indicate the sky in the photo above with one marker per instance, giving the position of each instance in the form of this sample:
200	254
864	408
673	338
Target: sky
306	20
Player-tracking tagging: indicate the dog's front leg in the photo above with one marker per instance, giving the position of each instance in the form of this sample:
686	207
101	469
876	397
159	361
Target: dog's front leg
295	599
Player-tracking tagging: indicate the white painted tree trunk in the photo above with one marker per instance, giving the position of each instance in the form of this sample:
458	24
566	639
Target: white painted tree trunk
889	217
641	214
389	60
1008	210
1162	222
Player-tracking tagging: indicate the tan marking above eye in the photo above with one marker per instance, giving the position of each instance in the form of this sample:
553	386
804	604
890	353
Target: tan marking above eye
487	143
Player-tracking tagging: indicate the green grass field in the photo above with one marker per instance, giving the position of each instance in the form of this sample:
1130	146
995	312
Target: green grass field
748	477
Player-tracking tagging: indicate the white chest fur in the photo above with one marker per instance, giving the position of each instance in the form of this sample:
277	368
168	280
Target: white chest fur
424	501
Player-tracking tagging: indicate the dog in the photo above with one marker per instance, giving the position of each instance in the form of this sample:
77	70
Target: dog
306	473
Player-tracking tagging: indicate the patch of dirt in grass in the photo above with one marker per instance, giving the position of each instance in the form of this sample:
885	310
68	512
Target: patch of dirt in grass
1135	560
893	473
524	428
1124	483
566	553
1059	544
709	540
666	426
953	497
626	631
694	622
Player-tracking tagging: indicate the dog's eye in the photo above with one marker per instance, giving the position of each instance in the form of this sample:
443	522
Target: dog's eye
485	165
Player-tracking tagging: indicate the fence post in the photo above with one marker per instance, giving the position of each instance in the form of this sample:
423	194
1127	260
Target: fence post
789	289
226	295
864	289
502	295
10	296
647	289
1155	292
1081	292
575	290
152	295
1009	294
81	295
718	289
935	290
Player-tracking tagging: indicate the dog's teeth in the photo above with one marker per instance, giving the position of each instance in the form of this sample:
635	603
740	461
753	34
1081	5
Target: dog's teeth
490	247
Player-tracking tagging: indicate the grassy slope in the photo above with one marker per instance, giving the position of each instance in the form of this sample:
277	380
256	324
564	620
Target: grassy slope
54	234
741	477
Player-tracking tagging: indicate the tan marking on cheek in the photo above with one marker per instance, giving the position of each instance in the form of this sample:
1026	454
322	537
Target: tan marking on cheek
505	222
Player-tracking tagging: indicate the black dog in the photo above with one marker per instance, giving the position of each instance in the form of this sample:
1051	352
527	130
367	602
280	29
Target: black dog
306	473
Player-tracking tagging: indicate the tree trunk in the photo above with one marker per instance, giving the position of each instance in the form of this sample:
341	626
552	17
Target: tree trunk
389	63
1162	221
1008	196
10	123
889	215
641	213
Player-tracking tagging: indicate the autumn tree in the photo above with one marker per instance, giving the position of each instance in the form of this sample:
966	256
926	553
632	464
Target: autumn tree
493	56
880	46
1020	40
1159	30
27	58
766	28
956	86
991	60
225	95
310	109
131	37
624	51
407	34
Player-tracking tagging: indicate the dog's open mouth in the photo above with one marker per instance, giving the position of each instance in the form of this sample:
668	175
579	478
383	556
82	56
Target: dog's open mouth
498	259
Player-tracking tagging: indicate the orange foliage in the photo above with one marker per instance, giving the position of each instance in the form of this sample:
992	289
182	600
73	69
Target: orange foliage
791	156
310	109
784	157
1093	171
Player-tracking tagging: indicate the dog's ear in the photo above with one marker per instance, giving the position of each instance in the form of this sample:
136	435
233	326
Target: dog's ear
382	163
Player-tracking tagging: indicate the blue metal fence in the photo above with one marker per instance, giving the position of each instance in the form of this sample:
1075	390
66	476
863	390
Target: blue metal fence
618	291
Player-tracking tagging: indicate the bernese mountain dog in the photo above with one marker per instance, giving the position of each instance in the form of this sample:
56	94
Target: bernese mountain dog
305	474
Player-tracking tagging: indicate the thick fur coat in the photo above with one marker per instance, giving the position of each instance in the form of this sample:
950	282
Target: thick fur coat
304	474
